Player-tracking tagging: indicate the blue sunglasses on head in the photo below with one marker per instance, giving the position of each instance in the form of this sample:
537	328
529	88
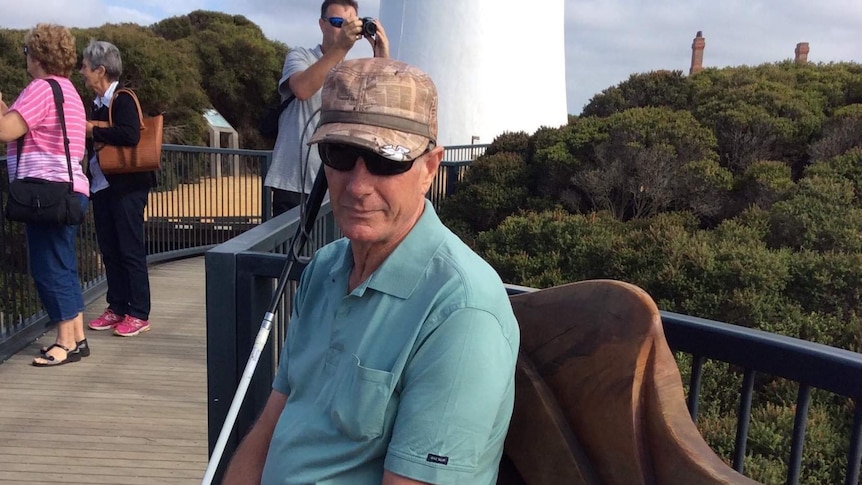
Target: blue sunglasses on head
336	22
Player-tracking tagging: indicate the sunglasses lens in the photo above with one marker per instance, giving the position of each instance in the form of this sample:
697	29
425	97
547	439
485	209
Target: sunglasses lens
343	158
379	165
339	157
336	22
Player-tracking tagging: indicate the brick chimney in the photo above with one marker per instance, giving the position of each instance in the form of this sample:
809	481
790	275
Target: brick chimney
801	53
697	53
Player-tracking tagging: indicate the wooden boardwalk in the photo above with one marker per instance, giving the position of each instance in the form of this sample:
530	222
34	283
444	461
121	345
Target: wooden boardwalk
134	412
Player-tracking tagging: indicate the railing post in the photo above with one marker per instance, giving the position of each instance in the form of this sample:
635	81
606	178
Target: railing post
743	419
266	192
451	179
254	293
694	385
223	368
803	399
854	455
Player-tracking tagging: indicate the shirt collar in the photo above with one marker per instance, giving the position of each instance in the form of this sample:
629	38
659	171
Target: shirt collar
106	99
402	271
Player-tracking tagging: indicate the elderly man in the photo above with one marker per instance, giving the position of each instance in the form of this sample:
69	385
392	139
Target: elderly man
398	365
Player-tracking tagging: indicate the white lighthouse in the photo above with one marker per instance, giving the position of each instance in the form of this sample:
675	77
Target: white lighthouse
498	65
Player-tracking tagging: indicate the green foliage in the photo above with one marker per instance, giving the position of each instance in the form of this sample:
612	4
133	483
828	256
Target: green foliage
847	166
822	214
733	195
636	170
668	89
180	67
493	188
163	74
842	132
704	188
509	142
823	457
763	184
728	273
239	67
556	155
13	64
828	282
549	248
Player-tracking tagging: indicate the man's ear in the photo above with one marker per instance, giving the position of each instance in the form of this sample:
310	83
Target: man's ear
431	162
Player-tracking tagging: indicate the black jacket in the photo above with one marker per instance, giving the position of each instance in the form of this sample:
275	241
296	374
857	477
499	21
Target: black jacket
126	131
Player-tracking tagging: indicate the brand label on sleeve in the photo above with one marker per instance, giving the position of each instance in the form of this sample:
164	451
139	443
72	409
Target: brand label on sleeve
442	460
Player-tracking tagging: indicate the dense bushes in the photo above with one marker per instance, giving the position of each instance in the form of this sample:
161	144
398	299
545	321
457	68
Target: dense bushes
734	195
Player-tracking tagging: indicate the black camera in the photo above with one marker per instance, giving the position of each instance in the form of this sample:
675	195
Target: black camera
369	28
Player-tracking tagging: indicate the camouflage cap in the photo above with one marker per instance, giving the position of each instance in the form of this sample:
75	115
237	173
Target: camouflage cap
383	105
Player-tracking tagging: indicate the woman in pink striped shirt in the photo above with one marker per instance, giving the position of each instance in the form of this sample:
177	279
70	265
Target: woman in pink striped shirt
50	52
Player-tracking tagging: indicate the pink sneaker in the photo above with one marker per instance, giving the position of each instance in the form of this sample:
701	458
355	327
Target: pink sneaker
131	326
107	321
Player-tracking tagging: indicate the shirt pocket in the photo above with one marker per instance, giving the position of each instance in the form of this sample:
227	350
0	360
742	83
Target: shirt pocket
359	405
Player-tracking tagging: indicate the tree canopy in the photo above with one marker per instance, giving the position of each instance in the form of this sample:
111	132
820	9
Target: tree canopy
180	66
733	194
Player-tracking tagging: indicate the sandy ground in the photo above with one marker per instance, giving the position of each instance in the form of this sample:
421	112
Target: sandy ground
223	197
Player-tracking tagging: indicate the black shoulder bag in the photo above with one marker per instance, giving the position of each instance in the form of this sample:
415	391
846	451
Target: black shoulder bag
268	124
41	201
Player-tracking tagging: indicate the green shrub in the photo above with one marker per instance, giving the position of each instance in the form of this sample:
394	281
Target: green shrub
764	183
510	142
493	189
822	215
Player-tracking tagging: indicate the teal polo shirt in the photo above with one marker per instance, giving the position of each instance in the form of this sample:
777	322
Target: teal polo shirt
412	371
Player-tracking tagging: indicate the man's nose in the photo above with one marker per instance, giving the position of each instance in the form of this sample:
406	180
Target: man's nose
361	180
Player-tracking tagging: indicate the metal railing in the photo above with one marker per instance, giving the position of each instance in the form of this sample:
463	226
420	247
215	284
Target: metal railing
810	365
204	197
213	199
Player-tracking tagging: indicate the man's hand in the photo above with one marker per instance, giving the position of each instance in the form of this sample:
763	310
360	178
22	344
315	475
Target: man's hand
380	43
247	463
350	32
390	478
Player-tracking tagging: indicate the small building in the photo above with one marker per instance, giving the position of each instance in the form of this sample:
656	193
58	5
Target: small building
220	130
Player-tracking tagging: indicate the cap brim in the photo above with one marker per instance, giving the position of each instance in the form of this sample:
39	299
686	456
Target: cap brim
392	144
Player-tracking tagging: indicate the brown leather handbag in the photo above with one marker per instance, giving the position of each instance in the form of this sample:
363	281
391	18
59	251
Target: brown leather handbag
146	156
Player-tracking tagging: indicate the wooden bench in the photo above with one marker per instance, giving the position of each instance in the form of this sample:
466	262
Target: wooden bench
599	399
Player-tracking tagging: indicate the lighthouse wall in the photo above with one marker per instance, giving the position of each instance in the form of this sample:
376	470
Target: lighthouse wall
498	66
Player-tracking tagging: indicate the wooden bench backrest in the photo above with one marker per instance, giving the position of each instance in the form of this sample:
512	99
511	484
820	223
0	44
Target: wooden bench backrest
594	359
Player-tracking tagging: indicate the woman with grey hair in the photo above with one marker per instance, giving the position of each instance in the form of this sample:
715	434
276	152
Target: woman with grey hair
118	199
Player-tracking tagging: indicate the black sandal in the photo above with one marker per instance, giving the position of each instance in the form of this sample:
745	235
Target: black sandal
83	347
71	356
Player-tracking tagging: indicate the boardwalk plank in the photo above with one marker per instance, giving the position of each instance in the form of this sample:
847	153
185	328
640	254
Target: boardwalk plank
134	412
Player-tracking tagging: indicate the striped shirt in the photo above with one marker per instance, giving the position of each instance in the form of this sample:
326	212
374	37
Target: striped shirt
44	155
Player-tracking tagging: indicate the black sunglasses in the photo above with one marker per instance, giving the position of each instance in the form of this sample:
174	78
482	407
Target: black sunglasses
343	158
336	22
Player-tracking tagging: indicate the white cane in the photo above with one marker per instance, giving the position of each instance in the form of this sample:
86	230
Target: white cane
315	199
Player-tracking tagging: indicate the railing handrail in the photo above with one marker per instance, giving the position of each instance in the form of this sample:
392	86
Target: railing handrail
821	366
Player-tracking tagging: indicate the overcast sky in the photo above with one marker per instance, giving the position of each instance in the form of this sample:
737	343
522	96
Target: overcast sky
606	40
